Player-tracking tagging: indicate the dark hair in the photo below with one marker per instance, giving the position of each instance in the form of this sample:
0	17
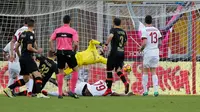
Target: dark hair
148	19
117	21
66	19
26	20
31	23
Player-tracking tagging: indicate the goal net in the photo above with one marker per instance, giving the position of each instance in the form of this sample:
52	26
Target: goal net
179	22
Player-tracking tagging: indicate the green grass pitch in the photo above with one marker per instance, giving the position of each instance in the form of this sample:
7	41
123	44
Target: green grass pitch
102	104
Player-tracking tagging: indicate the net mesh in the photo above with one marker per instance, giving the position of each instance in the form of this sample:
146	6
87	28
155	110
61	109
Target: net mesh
178	22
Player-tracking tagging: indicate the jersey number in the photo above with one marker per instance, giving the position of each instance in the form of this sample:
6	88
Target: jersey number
154	37
121	43
100	86
44	69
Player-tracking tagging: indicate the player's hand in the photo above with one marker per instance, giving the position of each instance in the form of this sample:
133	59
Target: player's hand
39	50
105	48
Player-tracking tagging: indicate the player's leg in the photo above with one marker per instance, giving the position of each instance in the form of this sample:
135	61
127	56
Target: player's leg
33	69
155	81
19	82
60	76
12	76
109	80
38	84
72	63
154	63
29	86
145	75
118	68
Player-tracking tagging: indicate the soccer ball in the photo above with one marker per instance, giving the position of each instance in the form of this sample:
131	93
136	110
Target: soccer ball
127	68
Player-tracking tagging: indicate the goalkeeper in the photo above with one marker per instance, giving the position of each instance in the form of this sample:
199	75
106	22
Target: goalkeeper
90	56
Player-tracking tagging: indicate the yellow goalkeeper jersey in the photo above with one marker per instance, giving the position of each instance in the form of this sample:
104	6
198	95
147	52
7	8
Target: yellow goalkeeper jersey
89	56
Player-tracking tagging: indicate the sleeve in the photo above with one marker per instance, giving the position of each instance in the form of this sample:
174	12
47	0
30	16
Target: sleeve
7	48
53	35
112	31
30	38
159	34
75	36
144	33
103	60
20	38
95	42
126	37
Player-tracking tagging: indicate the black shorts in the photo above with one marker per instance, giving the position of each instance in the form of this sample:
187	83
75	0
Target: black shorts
27	64
64	56
115	61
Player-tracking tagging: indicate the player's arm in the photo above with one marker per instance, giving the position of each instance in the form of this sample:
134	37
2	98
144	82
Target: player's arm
12	43
103	60
52	38
75	41
5	51
159	39
110	36
17	48
35	45
95	42
144	40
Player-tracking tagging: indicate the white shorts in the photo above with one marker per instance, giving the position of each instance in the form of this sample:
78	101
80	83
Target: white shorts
151	62
13	69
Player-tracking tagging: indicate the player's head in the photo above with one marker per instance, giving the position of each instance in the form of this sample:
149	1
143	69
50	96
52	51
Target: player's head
148	19
117	22
66	19
26	20
30	23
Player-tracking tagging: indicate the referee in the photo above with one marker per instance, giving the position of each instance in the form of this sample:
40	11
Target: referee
65	38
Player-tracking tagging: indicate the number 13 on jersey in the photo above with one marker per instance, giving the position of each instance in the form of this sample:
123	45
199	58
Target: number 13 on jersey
154	37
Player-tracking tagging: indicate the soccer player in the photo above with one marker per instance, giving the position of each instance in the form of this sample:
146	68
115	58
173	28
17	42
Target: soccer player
89	56
151	40
47	67
27	63
86	89
65	38
16	38
13	67
118	39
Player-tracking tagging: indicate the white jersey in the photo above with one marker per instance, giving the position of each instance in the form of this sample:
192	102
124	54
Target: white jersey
19	32
7	49
96	89
152	35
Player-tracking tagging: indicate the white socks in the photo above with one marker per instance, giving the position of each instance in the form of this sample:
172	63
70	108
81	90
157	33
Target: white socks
11	81
29	85
144	82
155	82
